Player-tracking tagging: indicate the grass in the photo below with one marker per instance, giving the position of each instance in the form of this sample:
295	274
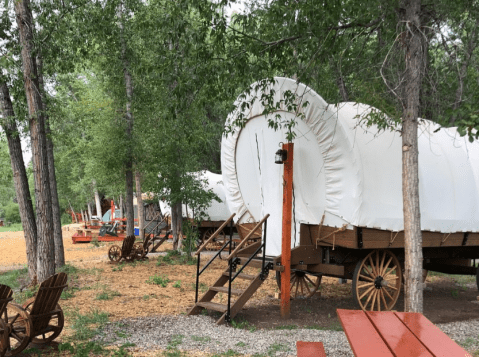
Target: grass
277	347
12	278
174	257
243	324
158	280
87	326
14	227
286	327
177	284
107	294
200	338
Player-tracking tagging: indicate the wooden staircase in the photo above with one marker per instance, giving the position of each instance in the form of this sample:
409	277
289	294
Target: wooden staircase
224	283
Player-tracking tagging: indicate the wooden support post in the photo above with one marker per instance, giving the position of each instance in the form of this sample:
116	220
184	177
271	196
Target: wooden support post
286	238
112	210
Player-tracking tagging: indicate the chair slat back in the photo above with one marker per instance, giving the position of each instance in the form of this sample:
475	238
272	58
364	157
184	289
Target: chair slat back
5	297
47	299
127	245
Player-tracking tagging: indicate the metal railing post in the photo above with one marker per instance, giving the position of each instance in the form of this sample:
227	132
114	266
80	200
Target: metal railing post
197	277
230	264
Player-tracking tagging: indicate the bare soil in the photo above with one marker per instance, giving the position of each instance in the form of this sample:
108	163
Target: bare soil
126	290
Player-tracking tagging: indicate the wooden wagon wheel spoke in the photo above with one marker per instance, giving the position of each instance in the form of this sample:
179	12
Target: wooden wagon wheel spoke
55	325
302	284
19	326
385	266
366	278
380	290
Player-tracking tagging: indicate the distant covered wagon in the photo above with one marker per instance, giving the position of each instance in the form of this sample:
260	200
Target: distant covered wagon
347	193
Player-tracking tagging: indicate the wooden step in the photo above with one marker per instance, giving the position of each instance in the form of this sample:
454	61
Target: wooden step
241	276
212	306
254	263
224	289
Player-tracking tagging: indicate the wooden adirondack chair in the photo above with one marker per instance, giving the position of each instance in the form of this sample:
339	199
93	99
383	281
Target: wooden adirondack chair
5	298
40	320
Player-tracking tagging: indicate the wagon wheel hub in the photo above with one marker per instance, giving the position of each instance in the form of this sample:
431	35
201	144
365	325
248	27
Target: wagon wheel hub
379	282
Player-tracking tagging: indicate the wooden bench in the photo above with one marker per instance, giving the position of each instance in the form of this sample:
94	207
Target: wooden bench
310	349
396	334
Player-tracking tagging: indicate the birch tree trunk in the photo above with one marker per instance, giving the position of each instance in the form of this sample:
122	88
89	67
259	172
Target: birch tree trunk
121	207
414	67
97	201
141	209
22	189
130	213
57	221
89	212
176	225
44	219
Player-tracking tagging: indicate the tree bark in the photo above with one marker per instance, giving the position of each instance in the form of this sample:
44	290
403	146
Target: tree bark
57	221
120	206
97	202
89	212
130	213
141	209
177	225
414	63
22	189
45	242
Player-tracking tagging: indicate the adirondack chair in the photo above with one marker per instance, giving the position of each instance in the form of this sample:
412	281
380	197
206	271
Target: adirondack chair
127	251
40	320
5	298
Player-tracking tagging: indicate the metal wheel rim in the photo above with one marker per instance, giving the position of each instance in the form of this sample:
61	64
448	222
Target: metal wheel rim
377	281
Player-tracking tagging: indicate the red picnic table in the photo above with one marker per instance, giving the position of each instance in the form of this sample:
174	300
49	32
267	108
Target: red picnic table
396	334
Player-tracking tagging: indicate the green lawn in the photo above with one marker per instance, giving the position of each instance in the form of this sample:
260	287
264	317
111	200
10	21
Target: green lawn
15	227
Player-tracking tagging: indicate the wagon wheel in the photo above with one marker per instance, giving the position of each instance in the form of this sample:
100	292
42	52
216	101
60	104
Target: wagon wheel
377	281
54	326
4	332
139	250
218	242
19	327
302	284
114	253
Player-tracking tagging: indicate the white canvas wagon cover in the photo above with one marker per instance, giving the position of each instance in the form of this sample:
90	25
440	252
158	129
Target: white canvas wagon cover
348	172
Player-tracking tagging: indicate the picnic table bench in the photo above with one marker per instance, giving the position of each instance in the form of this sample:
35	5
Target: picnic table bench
396	334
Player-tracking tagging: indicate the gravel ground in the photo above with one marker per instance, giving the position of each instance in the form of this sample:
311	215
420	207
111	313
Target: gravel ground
200	333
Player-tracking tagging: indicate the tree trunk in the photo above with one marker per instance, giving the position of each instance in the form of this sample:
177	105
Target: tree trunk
45	243
176	225
414	60
97	202
57	221
121	207
22	189
89	212
141	209
130	213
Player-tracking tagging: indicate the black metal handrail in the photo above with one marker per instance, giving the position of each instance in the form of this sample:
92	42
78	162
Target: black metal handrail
232	262
199	272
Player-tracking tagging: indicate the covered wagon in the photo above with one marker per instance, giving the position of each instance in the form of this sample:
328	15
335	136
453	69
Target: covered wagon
347	193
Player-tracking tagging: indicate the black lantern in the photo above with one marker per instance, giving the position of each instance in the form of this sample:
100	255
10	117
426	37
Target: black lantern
280	156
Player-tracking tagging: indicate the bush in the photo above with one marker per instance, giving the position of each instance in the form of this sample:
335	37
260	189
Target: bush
12	213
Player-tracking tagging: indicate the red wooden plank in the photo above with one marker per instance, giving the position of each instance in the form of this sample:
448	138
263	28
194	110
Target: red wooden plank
362	336
310	349
431	336
401	341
